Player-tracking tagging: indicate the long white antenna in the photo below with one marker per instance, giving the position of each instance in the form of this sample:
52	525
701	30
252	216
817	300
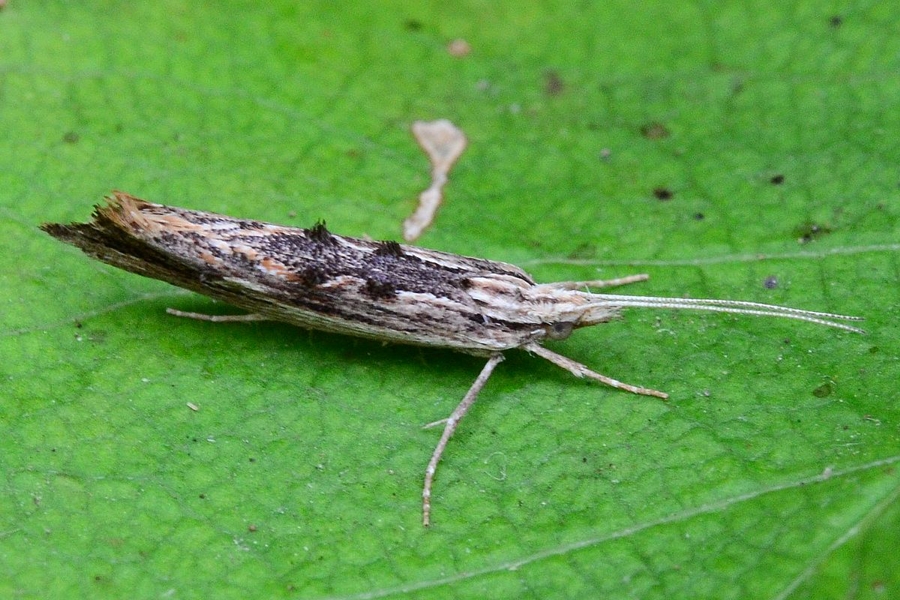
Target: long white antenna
612	301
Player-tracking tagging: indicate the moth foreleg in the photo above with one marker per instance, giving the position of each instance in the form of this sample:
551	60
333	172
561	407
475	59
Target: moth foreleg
217	318
579	370
450	426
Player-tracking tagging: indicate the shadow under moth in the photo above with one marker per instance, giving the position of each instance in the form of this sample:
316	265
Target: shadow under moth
386	291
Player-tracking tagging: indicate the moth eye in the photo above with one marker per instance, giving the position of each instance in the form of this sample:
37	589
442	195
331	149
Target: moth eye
560	330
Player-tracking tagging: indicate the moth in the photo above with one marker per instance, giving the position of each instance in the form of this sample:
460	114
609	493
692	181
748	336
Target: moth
381	290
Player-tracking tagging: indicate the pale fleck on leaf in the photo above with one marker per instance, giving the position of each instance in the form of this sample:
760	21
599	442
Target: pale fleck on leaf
443	143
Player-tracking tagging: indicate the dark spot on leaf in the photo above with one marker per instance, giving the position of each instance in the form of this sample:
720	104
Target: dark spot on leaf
202	496
807	232
777	179
699	216
663	193
71	137
413	25
553	83
824	390
584	251
836	21
770	282
655	131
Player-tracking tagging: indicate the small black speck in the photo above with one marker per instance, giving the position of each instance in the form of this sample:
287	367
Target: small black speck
380	290
413	25
836	21
71	137
553	83
663	193
770	282
320	234
389	248
655	131
699	216
777	179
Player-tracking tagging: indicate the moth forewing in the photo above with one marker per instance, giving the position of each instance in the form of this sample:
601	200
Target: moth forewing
381	290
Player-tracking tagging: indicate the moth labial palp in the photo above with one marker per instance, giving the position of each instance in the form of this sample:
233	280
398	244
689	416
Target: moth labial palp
385	291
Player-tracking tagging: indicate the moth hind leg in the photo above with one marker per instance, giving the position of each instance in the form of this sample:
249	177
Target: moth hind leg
217	318
596	283
450	424
579	370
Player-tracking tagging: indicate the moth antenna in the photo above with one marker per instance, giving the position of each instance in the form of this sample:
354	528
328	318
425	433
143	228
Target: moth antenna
614	301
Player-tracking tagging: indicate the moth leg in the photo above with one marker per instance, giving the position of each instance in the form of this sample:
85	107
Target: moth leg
217	318
579	370
451	422
574	285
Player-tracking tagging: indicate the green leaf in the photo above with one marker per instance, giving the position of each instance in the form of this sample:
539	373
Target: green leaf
730	149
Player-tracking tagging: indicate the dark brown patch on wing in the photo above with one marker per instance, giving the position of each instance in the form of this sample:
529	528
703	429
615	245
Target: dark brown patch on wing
380	289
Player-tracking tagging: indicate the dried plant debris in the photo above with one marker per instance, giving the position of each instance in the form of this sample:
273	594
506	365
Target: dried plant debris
443	142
